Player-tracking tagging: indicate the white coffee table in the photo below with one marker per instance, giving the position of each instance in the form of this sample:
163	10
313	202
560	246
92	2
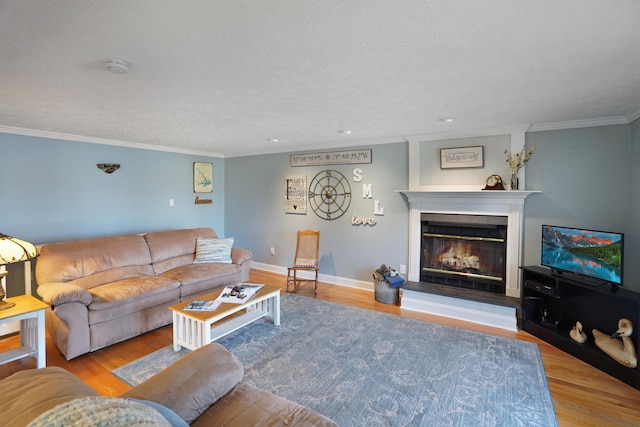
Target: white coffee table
194	329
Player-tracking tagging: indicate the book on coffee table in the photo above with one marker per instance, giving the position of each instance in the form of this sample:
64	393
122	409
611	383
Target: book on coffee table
239	293
202	305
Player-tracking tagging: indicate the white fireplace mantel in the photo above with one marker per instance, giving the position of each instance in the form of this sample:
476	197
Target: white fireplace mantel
470	202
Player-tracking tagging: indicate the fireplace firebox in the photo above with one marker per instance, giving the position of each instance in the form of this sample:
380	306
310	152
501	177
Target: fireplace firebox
465	251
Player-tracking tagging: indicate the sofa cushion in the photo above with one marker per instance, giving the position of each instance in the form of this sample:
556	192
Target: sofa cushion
113	275
174	248
213	250
125	291
173	418
61	293
68	261
27	394
195	273
247	405
192	383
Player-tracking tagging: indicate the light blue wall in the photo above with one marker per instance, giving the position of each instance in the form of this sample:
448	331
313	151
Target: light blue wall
53	191
255	213
585	176
632	243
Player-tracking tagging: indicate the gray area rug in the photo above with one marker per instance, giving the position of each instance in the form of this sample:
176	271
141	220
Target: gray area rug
364	368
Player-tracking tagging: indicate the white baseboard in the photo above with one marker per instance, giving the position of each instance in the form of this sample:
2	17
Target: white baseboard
334	280
470	311
455	308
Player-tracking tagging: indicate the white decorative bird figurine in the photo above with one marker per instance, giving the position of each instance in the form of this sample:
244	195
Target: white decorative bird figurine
577	334
621	350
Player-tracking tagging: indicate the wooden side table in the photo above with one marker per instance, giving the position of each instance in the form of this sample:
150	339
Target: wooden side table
30	312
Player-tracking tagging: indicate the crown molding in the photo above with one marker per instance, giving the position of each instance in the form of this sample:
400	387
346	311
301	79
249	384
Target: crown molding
102	141
603	121
634	115
468	133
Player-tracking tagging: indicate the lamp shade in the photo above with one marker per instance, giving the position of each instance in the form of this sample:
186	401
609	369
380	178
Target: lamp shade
15	250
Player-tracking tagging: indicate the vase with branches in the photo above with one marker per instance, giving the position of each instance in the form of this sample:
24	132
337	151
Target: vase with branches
516	162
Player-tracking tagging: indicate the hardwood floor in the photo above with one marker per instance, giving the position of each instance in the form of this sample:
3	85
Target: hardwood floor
582	395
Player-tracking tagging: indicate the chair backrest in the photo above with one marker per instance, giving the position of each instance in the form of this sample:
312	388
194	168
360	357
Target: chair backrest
307	248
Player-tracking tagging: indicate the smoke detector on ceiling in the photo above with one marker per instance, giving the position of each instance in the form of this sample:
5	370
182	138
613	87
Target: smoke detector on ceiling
116	66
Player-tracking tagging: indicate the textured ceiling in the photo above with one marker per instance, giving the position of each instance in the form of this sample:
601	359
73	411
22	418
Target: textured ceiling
223	77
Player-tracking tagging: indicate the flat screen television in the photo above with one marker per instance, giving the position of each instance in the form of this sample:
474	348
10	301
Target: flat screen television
590	254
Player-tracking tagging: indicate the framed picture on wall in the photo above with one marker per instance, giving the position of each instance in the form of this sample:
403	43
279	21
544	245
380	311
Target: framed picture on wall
462	157
202	177
295	199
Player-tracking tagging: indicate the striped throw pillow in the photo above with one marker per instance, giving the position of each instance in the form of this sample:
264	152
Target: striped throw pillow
213	250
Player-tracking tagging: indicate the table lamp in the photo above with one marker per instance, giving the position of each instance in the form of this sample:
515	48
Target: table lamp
13	250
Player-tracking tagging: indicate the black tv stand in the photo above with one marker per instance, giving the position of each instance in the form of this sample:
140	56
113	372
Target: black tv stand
581	279
614	288
570	299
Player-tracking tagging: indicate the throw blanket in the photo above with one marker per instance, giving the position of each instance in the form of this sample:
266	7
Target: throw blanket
394	281
100	411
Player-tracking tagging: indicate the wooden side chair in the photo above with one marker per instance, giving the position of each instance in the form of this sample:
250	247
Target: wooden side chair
306	259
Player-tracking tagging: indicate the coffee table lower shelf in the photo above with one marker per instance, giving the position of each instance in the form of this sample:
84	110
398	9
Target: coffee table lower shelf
196	329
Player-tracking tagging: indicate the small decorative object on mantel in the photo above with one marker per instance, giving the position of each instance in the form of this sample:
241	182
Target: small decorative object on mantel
621	350
494	182
577	334
516	162
108	167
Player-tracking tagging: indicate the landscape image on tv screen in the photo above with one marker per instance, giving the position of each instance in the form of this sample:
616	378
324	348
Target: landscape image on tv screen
595	254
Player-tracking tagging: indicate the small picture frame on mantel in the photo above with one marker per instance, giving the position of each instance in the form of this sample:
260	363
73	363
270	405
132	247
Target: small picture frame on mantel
462	157
202	177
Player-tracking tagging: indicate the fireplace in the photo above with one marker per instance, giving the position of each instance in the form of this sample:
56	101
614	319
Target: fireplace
475	204
496	268
465	251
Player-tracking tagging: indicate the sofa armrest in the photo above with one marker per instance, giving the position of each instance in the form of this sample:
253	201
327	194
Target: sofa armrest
193	383
60	293
240	255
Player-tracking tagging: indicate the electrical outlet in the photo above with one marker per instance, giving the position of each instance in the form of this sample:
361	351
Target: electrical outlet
403	269
171	202
272	251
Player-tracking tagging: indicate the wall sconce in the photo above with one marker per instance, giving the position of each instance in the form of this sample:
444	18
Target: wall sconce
108	167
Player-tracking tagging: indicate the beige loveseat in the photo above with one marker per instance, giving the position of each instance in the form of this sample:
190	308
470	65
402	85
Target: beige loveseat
203	388
109	289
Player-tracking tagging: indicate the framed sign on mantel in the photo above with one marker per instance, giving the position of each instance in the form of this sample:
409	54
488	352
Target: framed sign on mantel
462	157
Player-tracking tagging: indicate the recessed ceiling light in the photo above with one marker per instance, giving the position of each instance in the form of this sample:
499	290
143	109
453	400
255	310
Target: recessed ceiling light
272	139
346	132
446	119
117	66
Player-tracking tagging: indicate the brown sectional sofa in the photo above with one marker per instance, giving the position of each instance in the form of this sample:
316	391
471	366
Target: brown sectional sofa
109	289
203	388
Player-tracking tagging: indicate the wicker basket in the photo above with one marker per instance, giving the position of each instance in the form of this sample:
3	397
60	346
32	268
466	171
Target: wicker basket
385	293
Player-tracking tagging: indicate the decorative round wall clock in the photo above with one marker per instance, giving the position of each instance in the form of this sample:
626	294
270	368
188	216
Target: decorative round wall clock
329	194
